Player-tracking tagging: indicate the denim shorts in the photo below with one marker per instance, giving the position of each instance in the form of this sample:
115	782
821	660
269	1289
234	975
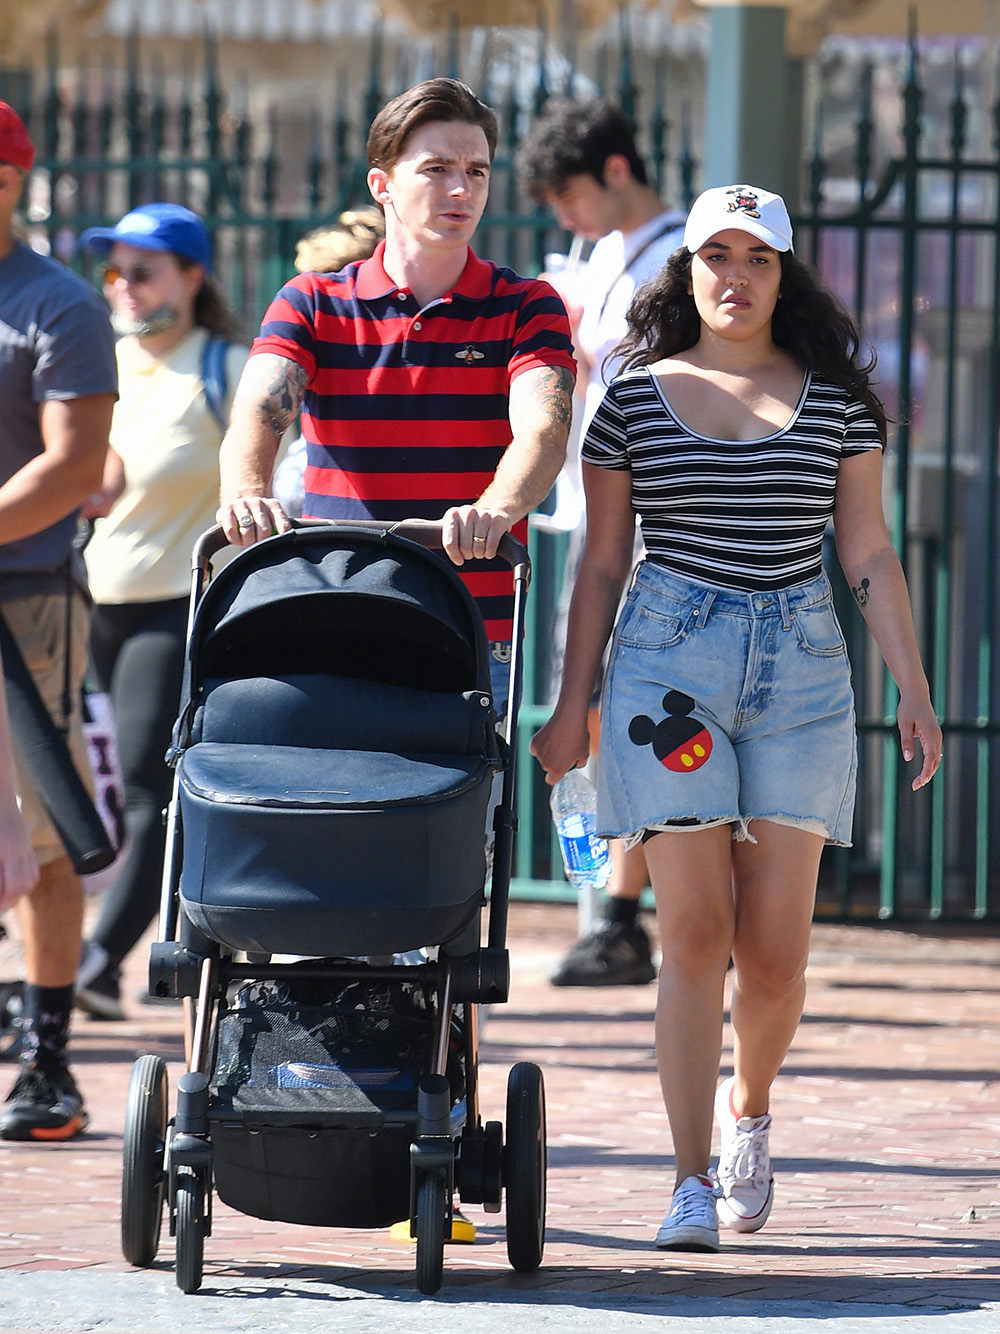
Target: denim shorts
722	707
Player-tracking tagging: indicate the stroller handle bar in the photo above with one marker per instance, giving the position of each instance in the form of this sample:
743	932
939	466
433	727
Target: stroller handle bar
425	532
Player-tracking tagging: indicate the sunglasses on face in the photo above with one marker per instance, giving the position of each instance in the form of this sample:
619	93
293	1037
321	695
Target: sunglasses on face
136	275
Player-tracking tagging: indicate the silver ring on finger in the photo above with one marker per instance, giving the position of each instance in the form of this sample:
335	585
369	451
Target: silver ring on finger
245	521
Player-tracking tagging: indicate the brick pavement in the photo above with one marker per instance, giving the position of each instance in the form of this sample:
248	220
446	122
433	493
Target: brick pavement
887	1122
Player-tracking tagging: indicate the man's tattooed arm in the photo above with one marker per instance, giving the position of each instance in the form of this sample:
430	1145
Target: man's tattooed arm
265	404
271	388
540	408
552	392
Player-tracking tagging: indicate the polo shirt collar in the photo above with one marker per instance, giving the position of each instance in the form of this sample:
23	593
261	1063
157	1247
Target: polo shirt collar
474	284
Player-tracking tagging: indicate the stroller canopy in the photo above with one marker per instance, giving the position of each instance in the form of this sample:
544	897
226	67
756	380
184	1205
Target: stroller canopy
341	600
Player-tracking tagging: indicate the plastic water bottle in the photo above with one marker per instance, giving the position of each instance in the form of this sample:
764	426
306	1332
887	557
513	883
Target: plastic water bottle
574	812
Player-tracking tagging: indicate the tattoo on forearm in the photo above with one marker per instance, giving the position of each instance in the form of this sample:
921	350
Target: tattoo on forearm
553	391
274	386
861	593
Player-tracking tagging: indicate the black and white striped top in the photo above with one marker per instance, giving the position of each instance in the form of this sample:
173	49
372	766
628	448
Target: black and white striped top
743	514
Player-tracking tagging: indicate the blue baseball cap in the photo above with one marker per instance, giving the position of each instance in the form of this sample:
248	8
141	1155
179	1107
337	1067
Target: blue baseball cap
156	227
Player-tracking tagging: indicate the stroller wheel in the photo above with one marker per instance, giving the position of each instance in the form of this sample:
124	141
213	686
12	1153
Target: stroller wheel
524	1167
143	1177
190	1203
430	1231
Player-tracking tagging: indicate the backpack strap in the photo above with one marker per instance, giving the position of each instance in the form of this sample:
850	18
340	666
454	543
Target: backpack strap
213	374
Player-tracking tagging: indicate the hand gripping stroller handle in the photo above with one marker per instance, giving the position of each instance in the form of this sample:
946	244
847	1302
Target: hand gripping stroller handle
426	532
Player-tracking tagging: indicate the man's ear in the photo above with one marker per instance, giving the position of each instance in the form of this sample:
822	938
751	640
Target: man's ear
378	180
617	171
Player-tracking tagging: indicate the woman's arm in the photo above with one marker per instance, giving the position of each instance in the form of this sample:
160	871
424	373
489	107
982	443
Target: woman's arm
875	576
564	741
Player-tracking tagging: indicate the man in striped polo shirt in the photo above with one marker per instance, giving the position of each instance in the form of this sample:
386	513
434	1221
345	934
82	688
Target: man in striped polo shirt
431	383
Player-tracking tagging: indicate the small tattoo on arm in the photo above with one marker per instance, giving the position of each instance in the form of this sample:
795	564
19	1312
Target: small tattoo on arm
861	593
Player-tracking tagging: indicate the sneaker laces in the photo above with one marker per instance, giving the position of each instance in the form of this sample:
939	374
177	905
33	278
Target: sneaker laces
688	1204
748	1158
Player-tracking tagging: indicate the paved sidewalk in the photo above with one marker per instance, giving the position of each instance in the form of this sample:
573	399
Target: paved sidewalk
886	1136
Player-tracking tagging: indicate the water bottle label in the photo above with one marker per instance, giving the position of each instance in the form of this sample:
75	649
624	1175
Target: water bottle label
581	848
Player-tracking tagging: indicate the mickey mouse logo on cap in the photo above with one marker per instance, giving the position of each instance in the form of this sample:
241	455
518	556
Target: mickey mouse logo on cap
744	201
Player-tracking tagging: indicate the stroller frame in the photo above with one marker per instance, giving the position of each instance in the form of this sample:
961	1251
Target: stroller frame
441	1142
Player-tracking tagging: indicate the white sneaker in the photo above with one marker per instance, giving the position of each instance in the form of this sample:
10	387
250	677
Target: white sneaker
691	1224
745	1178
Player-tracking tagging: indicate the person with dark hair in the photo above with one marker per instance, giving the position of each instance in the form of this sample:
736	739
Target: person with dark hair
57	390
743	421
432	383
176	367
581	160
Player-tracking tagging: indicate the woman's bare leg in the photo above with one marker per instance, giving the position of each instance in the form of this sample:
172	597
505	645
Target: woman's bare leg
691	875
774	884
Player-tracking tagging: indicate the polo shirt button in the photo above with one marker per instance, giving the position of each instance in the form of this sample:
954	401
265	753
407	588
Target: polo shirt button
417	324
401	296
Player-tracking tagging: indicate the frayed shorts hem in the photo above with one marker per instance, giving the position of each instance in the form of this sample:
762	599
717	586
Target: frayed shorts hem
740	825
691	825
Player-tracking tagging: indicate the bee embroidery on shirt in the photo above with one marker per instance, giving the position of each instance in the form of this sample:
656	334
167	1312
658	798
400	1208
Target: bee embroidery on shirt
469	354
680	743
745	201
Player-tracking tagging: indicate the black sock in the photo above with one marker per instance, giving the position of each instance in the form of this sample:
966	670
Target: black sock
45	1033
621	910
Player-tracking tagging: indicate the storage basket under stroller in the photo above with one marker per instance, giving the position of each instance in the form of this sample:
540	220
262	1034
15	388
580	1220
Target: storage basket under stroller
336	752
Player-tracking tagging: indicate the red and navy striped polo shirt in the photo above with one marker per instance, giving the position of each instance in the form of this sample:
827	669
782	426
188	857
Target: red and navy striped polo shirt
405	413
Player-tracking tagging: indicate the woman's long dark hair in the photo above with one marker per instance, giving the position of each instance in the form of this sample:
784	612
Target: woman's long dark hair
210	309
808	322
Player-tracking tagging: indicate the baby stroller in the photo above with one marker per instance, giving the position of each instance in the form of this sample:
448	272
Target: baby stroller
335	754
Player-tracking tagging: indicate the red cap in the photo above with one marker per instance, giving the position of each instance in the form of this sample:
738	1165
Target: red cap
15	142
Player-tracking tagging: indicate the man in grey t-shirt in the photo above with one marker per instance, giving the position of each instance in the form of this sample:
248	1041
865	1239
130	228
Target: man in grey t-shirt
58	384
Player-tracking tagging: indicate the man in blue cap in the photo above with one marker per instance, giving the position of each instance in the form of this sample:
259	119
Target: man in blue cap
58	384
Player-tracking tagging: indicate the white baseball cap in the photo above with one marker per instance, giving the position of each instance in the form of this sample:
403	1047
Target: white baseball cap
745	207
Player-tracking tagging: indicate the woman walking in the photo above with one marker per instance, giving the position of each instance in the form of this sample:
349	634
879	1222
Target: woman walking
176	369
744	420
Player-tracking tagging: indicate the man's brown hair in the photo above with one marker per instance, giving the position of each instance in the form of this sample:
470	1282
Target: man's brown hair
432	100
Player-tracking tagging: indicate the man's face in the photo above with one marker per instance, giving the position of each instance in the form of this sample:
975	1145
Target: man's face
586	208
436	193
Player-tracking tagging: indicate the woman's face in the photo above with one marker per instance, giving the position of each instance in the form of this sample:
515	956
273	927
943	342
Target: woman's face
145	285
735	282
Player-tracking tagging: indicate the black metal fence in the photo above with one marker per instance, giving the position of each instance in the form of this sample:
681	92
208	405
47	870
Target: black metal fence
900	213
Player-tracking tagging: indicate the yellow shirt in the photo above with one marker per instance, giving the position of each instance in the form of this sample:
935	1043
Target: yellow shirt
166	436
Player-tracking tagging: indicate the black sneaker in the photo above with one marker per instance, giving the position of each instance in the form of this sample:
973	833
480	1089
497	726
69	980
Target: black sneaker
613	955
101	996
44	1104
